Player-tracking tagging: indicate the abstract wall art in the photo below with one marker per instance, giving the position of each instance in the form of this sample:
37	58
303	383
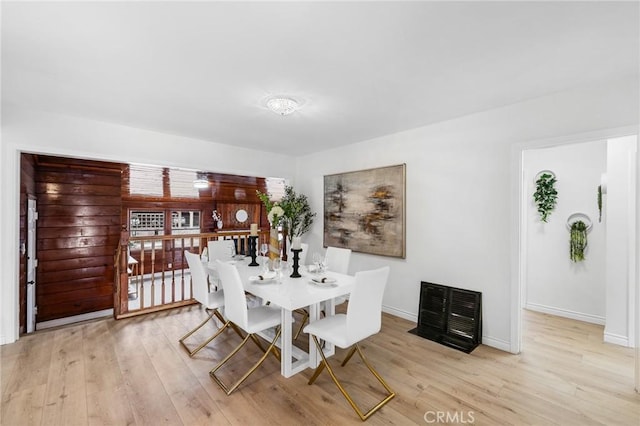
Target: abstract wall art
365	210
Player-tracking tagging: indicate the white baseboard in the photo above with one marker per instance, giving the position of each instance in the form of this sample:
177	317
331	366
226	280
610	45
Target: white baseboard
489	341
499	344
616	339
565	313
3	340
76	318
400	314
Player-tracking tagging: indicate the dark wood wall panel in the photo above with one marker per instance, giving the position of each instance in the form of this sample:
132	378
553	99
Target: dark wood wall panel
69	243
76	262
62	309
228	212
79	285
83	206
27	190
79	204
79	231
224	192
74	210
65	275
81	254
88	221
83	200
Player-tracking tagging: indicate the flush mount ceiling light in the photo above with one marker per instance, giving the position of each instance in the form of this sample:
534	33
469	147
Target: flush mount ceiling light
282	105
200	183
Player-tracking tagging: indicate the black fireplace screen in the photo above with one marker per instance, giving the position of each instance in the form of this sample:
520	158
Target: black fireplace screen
450	316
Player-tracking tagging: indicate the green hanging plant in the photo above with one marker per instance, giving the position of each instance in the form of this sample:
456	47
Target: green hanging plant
599	203
546	195
578	241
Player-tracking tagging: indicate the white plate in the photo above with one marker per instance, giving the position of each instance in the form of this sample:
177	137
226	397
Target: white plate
258	279
329	282
323	280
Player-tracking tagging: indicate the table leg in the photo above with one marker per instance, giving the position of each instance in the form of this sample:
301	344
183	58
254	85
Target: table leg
286	342
314	356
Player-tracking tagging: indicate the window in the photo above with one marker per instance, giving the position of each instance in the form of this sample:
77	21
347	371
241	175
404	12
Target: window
275	188
181	184
147	223
145	181
185	222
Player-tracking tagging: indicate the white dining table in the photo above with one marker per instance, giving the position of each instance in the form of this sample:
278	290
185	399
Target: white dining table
294	293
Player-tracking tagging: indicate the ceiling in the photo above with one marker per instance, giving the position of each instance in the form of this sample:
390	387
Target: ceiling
362	69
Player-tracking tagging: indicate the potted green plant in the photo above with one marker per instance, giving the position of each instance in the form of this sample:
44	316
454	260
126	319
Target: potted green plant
298	216
578	241
546	194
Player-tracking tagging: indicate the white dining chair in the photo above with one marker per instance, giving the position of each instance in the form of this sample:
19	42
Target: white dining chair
337	260
211	301
252	321
363	319
219	250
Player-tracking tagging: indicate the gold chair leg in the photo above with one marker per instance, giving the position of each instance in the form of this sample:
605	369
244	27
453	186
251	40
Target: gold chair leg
244	377
349	355
186	336
276	351
325	363
232	325
305	318
316	373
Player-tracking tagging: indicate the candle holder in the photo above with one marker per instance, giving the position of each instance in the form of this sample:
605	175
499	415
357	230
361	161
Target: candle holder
253	242
296	259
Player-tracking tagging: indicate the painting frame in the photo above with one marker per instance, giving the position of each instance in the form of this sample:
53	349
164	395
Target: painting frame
365	210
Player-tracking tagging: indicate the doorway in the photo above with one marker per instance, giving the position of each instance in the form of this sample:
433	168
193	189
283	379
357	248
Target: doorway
625	250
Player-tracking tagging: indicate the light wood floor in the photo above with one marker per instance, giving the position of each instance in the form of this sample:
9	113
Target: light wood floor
133	372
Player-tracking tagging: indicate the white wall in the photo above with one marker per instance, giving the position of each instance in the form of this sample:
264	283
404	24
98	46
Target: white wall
554	284
39	132
619	203
462	195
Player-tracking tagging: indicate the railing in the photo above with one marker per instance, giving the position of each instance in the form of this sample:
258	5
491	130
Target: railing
152	273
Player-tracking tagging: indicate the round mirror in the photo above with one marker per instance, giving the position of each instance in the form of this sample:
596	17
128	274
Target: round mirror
241	215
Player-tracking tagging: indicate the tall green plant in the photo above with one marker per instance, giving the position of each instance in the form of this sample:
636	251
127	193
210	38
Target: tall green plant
275	212
298	216
578	241
546	195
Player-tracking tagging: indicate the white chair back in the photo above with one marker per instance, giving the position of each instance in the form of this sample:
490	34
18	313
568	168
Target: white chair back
338	259
235	302
365	304
302	257
198	278
221	249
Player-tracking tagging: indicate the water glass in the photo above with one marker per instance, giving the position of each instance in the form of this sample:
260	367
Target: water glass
277	266
317	262
264	249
